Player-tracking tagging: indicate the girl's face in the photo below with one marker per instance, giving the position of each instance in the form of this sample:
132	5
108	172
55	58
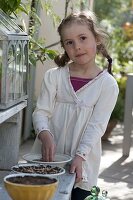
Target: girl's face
79	43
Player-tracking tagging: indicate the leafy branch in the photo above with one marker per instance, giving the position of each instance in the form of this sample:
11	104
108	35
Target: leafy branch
15	8
38	52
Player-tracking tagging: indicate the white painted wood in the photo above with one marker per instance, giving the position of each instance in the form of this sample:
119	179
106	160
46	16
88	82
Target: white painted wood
128	116
9	142
10	133
6	114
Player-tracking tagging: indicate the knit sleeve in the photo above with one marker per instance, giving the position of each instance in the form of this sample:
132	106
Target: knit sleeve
45	103
99	119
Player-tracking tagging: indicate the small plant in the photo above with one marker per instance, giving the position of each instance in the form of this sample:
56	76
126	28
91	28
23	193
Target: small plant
95	191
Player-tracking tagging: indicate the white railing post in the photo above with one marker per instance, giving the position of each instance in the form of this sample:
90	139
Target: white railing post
128	115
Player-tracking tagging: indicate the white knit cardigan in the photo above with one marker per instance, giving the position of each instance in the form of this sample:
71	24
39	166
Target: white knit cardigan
78	119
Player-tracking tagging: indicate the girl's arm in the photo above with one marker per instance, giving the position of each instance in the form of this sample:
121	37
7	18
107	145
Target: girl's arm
99	119
42	113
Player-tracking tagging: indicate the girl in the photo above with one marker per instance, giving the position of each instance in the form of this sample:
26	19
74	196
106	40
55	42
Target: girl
76	101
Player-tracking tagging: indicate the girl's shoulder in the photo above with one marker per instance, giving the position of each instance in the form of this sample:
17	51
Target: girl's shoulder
52	70
108	78
57	70
109	81
55	73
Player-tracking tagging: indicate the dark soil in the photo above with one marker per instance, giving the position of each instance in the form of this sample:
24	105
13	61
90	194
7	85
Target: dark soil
30	180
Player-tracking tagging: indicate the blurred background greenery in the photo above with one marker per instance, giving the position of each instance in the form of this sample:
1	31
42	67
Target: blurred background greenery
117	17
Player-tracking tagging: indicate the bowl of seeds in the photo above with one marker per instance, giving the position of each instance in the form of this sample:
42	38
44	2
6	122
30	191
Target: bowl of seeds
34	168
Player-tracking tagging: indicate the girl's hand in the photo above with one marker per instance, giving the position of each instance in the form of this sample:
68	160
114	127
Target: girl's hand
76	167
48	146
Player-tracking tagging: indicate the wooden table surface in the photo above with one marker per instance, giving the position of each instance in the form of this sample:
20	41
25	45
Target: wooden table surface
66	183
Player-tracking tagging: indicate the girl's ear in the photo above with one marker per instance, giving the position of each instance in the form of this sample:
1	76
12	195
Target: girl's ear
98	42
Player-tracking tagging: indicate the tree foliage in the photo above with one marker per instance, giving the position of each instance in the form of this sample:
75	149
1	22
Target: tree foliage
9	6
113	14
111	10
15	8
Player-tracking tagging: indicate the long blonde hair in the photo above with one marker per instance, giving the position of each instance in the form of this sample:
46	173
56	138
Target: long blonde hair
85	18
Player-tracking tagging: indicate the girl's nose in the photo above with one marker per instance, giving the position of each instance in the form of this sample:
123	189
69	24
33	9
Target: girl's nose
77	46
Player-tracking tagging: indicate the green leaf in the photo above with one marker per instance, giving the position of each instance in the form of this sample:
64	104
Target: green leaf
22	8
14	4
51	53
32	59
9	6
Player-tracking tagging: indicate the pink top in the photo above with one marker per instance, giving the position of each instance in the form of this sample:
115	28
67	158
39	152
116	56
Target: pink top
77	82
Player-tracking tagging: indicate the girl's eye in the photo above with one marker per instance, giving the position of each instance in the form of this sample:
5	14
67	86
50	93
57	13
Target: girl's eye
69	42
83	38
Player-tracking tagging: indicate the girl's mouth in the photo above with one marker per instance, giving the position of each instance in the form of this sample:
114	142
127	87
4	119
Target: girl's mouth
79	55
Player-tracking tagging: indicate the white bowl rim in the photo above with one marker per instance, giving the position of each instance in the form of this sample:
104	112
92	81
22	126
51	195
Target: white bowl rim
67	157
37	164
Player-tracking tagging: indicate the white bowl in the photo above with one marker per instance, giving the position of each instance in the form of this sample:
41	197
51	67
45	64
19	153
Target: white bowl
44	170
60	159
